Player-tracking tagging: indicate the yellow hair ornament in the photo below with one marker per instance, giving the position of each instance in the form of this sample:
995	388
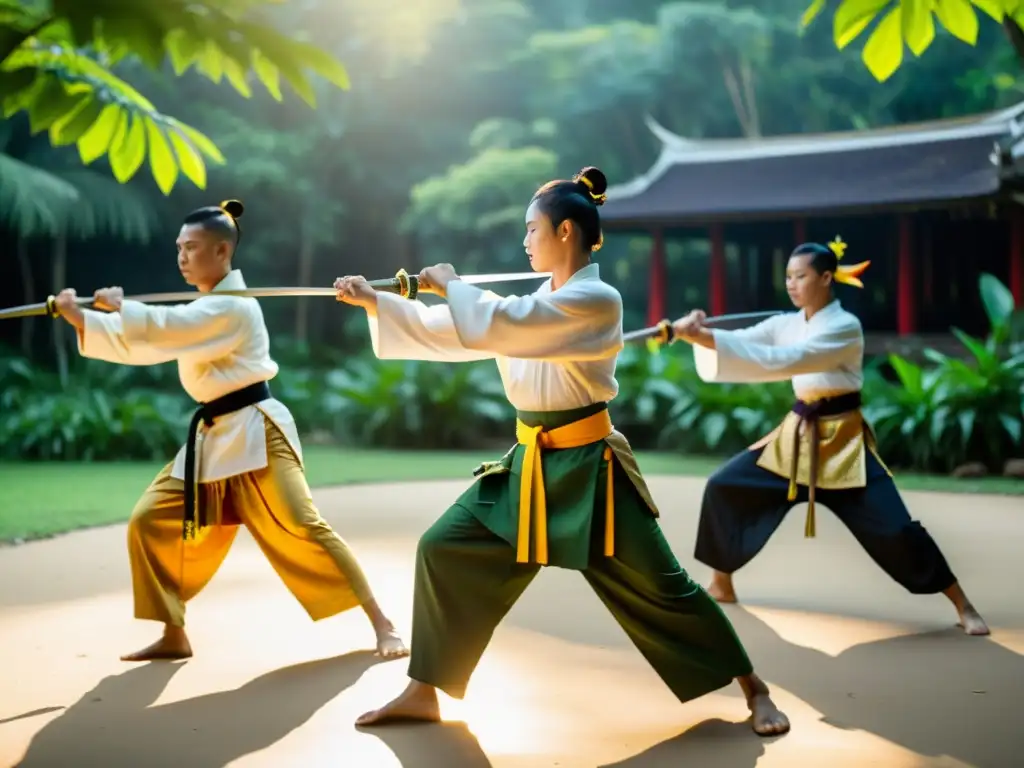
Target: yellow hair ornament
590	185
597	246
847	275
232	209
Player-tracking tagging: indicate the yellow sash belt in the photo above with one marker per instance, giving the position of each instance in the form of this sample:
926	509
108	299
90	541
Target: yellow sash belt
575	435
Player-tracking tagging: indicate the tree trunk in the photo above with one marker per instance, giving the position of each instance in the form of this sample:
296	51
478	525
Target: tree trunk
305	276
750	96
29	288
732	85
1016	35
60	337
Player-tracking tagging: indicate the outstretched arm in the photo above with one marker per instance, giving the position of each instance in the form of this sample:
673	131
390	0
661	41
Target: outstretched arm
727	356
580	321
138	334
410	330
406	330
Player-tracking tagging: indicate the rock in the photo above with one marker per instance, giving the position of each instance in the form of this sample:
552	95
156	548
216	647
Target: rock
971	469
1014	468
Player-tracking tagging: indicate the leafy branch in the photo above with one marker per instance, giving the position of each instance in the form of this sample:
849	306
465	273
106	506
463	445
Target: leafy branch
56	60
911	22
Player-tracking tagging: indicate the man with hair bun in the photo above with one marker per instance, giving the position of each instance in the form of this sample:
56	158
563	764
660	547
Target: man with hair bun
242	463
569	494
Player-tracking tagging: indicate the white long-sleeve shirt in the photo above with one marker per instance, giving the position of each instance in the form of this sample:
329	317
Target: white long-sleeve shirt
221	345
555	350
823	356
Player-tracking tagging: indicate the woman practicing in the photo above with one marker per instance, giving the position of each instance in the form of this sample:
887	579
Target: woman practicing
823	450
569	494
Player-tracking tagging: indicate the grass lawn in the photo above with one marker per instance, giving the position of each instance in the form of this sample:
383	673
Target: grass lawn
43	499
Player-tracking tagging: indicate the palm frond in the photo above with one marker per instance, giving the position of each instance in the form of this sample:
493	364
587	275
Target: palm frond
33	201
108	208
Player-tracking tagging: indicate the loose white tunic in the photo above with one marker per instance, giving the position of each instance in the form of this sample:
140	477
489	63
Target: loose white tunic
555	350
824	356
221	345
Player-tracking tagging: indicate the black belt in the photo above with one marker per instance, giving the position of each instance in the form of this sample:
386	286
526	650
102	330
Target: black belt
809	413
195	515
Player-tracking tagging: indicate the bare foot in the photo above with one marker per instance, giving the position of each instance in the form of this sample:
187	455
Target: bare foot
390	644
970	619
768	719
721	588
972	622
173	645
417	703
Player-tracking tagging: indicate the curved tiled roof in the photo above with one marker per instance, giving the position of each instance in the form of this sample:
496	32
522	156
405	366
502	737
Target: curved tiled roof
923	163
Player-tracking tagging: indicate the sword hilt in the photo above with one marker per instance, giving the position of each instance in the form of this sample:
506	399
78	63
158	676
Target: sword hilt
665	334
405	285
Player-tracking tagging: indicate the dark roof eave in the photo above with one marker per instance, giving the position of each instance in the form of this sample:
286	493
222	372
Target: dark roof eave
646	223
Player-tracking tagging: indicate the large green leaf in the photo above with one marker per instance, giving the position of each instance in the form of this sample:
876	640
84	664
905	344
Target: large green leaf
994	8
983	357
94	142
69	128
918	24
883	52
959	19
162	161
852	17
910	375
997	300
130	151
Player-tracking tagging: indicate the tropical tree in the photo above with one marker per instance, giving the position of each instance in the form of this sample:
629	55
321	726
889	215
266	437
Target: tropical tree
476	208
45	198
57	62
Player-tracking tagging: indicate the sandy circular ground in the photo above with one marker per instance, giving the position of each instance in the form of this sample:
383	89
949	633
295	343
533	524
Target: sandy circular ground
870	675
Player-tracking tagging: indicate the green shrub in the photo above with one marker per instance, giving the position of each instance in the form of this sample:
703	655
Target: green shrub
412	404
957	410
104	412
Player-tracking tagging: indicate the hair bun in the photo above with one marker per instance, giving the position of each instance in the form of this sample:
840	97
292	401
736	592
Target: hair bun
594	182
233	208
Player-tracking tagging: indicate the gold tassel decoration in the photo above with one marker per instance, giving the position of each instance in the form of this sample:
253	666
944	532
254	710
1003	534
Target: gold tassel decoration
609	507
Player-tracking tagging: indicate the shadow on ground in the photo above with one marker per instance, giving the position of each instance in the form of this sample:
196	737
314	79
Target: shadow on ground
115	726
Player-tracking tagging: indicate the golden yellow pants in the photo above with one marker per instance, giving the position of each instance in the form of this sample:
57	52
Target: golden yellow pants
275	504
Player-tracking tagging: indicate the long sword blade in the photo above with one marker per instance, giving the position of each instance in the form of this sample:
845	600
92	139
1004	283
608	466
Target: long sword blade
506	277
389	284
658	330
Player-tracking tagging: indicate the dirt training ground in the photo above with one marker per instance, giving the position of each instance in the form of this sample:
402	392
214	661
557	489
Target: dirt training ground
868	674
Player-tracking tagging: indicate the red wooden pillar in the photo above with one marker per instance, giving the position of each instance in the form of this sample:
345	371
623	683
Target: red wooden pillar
927	270
1017	256
656	280
716	287
906	290
799	232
